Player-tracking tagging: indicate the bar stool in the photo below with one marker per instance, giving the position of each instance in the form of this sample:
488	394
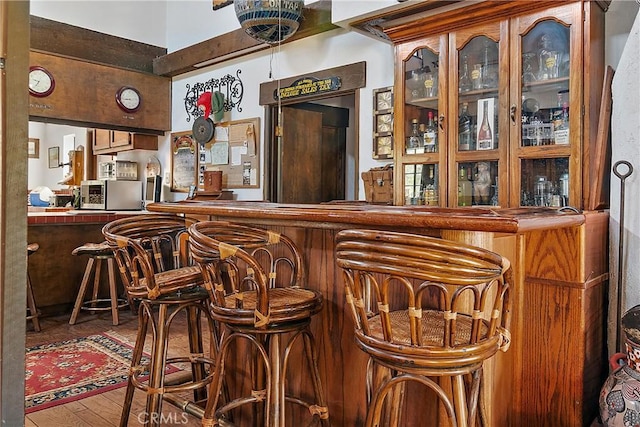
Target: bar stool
255	279
33	313
425	307
151	254
97	252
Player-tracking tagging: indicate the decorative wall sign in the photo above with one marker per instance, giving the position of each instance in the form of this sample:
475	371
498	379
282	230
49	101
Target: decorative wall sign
33	148
308	86
230	86
217	4
184	155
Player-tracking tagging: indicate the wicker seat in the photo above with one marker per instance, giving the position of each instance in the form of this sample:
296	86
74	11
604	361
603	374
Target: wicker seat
151	252
256	280
425	307
33	313
98	253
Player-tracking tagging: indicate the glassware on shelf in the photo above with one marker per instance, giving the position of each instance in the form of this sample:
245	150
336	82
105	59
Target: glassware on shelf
485	134
488	69
465	187
415	84
564	189
548	59
415	139
464	83
430	135
542	191
464	129
528	75
430	85
476	77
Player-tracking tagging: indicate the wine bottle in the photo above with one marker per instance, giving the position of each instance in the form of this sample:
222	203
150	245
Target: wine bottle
415	140
485	136
561	132
464	85
430	135
465	188
430	190
464	129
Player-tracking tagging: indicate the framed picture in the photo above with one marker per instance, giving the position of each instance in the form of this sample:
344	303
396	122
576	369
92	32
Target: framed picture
184	161
383	147
54	157
33	148
217	4
383	123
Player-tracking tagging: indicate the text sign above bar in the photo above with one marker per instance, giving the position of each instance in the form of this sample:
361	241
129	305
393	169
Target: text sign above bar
308	86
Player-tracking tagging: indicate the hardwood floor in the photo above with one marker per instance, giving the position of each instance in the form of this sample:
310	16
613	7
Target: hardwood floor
104	409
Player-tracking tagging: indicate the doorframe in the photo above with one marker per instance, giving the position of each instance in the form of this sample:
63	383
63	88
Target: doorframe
352	79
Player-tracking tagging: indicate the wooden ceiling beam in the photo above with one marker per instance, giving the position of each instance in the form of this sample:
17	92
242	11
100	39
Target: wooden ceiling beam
62	39
316	20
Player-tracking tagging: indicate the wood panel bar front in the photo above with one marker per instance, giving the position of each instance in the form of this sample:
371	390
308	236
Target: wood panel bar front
552	373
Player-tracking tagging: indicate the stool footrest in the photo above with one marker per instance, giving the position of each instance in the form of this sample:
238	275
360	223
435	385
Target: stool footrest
107	307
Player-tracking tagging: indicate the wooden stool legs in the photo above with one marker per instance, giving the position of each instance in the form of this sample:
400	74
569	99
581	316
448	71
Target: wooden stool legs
91	305
31	306
32	310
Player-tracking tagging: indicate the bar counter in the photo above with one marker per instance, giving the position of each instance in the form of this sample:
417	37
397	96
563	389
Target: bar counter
553	371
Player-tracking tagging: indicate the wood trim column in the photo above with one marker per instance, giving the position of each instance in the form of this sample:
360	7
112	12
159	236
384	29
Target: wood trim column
14	50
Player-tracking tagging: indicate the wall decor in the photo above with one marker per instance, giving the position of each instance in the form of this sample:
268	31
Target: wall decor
184	155
33	148
383	123
230	86
54	157
217	4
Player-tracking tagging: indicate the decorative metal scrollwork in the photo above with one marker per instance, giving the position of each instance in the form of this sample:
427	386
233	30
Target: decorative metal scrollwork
230	86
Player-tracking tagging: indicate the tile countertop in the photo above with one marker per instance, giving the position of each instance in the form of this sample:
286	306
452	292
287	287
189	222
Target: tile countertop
46	216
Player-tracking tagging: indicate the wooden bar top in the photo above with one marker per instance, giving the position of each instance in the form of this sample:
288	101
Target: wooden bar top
330	215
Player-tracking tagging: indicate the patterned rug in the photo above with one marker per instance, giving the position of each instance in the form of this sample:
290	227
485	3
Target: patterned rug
71	370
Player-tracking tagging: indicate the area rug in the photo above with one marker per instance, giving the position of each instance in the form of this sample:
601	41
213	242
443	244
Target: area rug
71	370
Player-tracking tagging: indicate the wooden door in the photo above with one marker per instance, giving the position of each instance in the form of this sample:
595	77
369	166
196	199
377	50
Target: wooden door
312	158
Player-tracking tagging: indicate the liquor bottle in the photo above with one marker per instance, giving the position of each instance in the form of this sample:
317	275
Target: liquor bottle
561	131
485	136
465	188
430	135
415	140
464	85
421	131
430	190
464	129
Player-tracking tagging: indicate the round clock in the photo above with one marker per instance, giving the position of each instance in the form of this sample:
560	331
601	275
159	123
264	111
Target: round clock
128	99
41	82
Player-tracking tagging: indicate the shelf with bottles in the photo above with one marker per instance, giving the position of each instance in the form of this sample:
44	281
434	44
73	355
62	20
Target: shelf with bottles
421	184
545	119
477	183
478	126
544	182
422	135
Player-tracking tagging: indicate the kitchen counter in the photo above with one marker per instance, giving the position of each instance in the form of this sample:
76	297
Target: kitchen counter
557	362
55	273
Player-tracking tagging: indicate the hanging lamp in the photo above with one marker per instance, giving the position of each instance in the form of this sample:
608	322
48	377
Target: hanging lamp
269	21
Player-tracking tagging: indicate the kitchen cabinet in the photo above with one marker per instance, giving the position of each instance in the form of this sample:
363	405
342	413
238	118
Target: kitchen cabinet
498	106
112	141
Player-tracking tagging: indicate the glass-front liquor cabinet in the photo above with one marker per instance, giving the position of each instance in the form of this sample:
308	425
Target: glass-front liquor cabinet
498	113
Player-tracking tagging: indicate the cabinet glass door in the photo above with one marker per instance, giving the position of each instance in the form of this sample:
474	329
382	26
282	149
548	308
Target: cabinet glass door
478	147
421	98
548	135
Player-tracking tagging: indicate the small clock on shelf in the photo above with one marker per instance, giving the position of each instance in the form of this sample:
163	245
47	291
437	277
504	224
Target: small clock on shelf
383	123
41	81
128	99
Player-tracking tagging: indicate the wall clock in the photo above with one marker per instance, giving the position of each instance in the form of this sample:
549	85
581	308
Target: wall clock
128	99
41	81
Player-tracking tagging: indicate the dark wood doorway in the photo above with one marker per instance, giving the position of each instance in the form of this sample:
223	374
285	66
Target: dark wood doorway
311	154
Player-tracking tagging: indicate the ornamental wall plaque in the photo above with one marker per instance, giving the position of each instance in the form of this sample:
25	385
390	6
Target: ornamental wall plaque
231	87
